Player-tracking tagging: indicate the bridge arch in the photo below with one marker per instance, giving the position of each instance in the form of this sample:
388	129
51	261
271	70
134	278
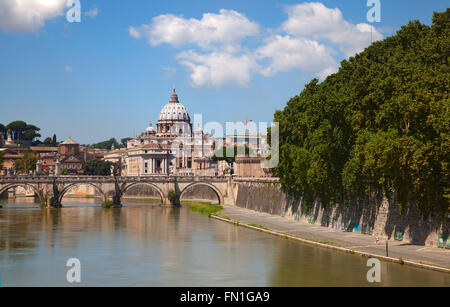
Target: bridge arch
14	185
154	186
71	185
214	188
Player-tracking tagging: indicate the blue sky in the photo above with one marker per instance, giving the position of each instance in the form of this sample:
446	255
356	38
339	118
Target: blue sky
110	75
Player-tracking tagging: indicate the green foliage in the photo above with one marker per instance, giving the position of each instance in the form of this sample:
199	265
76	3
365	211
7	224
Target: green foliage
97	167
229	154
108	204
22	131
107	144
173	197
64	171
124	141
27	163
2	154
203	207
48	141
381	122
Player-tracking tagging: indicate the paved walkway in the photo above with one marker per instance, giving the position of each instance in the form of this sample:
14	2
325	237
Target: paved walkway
353	241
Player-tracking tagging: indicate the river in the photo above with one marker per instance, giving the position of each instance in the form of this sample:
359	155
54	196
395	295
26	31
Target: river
143	244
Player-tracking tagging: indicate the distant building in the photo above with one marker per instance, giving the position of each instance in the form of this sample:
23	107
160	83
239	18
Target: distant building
11	155
46	158
71	157
255	141
251	167
171	148
116	156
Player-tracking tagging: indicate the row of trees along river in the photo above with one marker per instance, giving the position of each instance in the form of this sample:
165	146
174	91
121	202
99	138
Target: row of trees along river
381	121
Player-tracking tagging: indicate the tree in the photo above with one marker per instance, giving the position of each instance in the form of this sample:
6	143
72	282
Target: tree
2	154
21	131
97	167
17	128
229	154
124	141
106	144
381	122
54	142
3	131
48	141
27	163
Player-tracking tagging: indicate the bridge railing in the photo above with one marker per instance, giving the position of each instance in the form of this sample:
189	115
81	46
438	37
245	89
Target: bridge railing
83	178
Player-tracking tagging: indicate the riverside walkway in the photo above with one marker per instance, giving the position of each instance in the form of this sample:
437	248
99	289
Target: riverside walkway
361	244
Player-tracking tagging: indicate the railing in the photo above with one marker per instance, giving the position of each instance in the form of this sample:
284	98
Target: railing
28	178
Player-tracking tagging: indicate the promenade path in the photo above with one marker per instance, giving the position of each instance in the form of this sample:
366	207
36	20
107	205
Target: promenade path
350	240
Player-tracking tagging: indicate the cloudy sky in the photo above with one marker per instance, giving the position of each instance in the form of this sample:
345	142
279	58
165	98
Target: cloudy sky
110	74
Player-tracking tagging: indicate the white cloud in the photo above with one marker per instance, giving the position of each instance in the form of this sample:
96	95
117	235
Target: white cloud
169	72
28	15
67	68
228	28
287	53
316	21
218	53
218	68
92	13
134	33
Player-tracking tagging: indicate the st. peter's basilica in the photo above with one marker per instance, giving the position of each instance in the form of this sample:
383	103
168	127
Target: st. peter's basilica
173	148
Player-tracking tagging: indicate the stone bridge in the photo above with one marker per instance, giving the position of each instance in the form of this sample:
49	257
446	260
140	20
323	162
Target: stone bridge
50	189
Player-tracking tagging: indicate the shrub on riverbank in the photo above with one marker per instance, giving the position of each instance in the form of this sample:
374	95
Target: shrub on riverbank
173	198
108	204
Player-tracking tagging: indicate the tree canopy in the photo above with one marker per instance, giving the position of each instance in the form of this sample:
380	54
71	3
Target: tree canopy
2	154
97	167
381	121
229	154
27	163
124	141
107	144
21	131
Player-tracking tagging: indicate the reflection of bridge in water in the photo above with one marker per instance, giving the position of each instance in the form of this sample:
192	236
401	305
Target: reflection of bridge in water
51	190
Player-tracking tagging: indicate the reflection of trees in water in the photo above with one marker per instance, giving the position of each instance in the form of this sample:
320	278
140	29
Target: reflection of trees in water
302	265
297	264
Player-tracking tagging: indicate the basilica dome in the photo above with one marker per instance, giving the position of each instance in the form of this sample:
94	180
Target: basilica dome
174	111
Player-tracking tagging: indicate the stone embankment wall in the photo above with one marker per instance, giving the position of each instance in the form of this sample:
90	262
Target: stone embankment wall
375	215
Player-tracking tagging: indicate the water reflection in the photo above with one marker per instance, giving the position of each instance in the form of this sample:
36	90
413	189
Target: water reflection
146	245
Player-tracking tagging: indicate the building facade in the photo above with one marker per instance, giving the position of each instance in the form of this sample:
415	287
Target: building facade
173	148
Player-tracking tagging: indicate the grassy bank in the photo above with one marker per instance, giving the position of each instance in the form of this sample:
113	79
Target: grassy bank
202	207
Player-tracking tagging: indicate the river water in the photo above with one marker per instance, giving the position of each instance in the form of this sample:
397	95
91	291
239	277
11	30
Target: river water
143	244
